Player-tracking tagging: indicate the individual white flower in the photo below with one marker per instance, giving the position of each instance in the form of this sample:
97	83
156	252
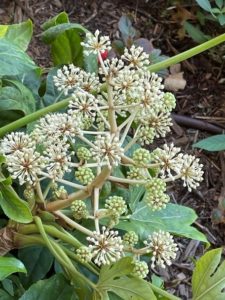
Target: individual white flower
168	160
58	159
107	149
190	171
112	67
25	165
106	247
95	44
160	121
163	248
15	141
67	78
136	57
56	126
83	104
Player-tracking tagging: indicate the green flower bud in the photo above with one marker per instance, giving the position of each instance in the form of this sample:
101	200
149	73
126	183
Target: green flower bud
169	101
146	135
79	209
60	193
83	153
140	269
116	205
84	254
155	195
29	193
142	156
130	238
84	175
135	173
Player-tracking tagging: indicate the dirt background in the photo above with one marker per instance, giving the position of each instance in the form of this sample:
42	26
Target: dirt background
203	98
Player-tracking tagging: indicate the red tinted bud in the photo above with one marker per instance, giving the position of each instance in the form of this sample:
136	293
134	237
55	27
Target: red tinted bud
104	55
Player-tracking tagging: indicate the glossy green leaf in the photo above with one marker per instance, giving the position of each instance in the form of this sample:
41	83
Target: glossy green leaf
136	193
54	288
195	33
38	264
58	19
144	221
16	96
13	207
13	60
213	143
205	4
66	48
219	3
10	265
18	34
124	287
52	33
208	281
221	19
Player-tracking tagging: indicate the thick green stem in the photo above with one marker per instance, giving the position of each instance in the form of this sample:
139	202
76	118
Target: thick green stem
187	54
34	116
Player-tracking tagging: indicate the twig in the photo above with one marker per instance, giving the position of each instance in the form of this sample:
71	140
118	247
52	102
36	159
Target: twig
188	121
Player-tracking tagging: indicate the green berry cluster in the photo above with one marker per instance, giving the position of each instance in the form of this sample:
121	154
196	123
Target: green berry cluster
130	238
169	101
60	192
84	254
155	195
84	175
140	269
29	193
135	173
142	157
79	209
146	135
83	153
116	205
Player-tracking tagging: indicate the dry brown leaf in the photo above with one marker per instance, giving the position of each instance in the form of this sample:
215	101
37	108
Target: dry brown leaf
175	82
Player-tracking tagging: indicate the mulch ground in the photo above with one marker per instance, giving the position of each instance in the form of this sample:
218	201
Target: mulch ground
203	98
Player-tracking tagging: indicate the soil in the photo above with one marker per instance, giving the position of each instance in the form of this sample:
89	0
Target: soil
202	99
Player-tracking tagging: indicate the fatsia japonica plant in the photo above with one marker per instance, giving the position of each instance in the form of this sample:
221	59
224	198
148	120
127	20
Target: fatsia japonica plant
96	220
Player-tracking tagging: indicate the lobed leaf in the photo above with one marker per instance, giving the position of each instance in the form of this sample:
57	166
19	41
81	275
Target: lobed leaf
208	281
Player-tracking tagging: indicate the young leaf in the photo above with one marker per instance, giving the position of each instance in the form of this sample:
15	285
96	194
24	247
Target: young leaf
10	265
58	19
14	208
208	281
221	19
219	3
144	221
54	288
18	34
38	264
13	60
195	33
126	288
205	4
213	143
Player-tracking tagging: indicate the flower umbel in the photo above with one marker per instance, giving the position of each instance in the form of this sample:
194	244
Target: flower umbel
163	248
106	247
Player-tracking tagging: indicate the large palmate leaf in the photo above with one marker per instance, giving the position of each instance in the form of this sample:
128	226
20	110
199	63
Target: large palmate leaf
212	143
13	60
38	264
208	281
18	34
54	288
10	265
174	218
113	279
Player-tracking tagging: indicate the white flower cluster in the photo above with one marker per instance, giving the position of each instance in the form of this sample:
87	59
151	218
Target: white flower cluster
106	247
163	248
